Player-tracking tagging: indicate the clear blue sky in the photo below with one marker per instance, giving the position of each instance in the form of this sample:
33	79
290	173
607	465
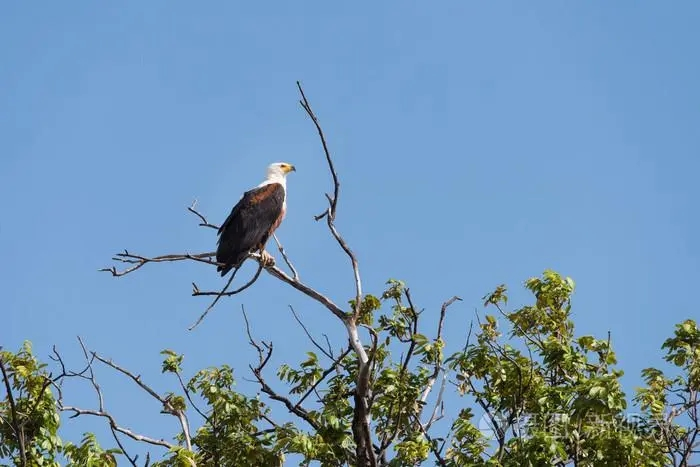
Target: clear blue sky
477	142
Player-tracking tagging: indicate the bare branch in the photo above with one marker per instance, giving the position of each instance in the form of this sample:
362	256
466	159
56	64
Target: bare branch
223	293
189	397
264	357
328	344
277	273
353	262
136	378
204	222
272	270
413	331
325	352
132	460
168	408
434	417
295	274
140	261
333	201
436	452
336	183
113	424
437	369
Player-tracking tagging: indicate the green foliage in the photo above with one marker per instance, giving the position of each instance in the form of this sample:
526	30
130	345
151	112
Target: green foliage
229	435
309	373
666	399
370	304
30	418
90	454
530	392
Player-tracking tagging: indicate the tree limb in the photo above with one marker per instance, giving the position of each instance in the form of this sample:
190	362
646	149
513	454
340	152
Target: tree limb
16	426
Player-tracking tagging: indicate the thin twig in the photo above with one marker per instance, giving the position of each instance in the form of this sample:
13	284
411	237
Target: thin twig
328	344
189	397
113	423
295	274
438	457
326	372
413	330
264	357
132	460
196	292
308	334
204	222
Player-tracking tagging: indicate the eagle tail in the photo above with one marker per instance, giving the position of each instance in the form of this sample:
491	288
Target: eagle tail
224	269
229	261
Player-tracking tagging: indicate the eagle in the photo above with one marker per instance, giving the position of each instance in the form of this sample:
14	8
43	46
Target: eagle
253	219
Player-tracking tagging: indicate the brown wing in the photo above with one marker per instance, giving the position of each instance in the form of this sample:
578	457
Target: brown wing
249	224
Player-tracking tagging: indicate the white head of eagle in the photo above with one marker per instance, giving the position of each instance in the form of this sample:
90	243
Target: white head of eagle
253	219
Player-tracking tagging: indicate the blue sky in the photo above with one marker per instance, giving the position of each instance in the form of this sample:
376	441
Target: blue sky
478	143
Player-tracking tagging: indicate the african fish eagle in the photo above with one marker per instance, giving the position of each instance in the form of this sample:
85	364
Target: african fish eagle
253	219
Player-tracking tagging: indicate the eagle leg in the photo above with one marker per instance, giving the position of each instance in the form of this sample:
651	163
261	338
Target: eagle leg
266	259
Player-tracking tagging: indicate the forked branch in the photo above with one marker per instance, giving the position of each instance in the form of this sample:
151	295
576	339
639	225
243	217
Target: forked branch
89	374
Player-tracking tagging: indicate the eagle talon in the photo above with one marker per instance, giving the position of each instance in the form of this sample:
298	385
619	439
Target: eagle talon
266	259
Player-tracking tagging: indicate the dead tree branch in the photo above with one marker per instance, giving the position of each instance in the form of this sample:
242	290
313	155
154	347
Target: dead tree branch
113	424
438	368
333	201
295	274
196	292
327	353
204	222
88	373
264	350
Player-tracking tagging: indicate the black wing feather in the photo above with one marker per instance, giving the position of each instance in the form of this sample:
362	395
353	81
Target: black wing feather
248	225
